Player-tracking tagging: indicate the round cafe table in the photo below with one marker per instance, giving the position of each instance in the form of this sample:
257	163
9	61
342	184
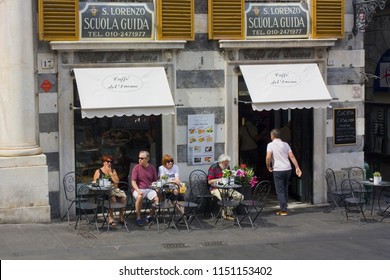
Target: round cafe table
376	190
225	202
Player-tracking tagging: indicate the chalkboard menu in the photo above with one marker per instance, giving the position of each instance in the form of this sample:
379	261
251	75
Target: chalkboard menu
344	126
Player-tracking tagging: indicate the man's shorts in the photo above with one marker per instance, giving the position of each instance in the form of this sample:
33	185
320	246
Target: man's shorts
148	193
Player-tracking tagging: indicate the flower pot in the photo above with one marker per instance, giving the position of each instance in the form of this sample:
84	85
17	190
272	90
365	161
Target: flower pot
225	181
246	191
377	180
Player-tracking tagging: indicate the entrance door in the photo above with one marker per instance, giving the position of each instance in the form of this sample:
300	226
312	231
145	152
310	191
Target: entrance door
301	140
302	146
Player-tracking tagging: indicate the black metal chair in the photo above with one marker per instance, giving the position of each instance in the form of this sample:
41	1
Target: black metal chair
384	202
166	207
359	174
257	204
190	208
334	192
196	176
116	206
353	198
87	203
70	182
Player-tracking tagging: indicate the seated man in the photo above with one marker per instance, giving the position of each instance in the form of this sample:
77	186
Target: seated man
142	176
215	175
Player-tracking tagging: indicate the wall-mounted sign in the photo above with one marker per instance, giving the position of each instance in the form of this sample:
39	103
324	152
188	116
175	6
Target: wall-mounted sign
344	126
116	21
272	20
200	135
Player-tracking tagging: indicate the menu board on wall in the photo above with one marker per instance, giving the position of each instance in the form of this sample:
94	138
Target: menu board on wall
344	126
200	139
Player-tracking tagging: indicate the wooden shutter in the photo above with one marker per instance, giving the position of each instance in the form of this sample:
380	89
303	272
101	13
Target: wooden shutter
58	20
328	18
175	19
226	19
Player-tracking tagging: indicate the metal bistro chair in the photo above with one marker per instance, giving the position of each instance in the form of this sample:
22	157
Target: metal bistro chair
202	196
257	204
196	176
86	203
115	206
384	202
333	191
165	208
353	198
190	208
69	182
359	174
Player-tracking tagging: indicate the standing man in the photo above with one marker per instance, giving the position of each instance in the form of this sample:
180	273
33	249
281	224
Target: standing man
142	177
277	161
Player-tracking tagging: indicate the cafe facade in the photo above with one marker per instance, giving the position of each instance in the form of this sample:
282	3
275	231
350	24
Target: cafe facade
180	77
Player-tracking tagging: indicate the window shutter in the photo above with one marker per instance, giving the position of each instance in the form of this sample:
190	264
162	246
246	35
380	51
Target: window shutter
58	20
328	18
176	19
226	19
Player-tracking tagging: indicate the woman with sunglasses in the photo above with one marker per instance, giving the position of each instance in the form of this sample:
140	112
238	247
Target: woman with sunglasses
170	169
171	172
106	171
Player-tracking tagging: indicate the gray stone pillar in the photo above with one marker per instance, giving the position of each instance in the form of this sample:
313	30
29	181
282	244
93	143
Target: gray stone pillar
17	100
24	192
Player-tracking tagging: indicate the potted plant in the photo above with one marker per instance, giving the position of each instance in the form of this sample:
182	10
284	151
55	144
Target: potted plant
377	178
106	179
226	173
164	179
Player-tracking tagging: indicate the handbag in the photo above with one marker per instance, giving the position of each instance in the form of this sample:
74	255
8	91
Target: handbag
117	192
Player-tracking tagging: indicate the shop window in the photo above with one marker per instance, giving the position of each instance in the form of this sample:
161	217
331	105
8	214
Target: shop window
377	135
122	137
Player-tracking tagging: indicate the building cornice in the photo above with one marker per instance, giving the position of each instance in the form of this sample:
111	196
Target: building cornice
115	45
276	44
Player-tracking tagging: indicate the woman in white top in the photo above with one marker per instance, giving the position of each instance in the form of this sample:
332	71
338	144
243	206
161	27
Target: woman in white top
170	169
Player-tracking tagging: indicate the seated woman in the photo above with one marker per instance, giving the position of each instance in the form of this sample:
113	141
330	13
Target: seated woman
107	171
170	170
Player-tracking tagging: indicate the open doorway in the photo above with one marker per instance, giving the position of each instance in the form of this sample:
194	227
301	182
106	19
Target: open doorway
297	130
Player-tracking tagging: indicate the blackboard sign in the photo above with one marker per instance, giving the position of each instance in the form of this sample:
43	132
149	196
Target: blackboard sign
344	126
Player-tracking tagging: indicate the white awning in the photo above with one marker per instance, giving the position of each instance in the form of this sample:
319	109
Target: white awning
123	91
285	86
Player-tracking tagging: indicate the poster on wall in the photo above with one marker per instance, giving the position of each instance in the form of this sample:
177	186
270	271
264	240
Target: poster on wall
200	139
382	73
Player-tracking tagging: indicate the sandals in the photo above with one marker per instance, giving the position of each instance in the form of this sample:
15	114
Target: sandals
112	223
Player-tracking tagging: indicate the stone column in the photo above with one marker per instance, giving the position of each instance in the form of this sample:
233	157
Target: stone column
23	168
17	100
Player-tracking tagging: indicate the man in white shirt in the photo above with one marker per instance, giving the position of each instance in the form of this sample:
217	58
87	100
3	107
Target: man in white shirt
277	160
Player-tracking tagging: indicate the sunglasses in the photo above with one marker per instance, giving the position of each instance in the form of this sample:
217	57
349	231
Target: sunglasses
169	161
109	161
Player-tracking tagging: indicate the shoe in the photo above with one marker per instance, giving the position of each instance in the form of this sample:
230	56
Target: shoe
149	219
138	222
228	218
282	213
